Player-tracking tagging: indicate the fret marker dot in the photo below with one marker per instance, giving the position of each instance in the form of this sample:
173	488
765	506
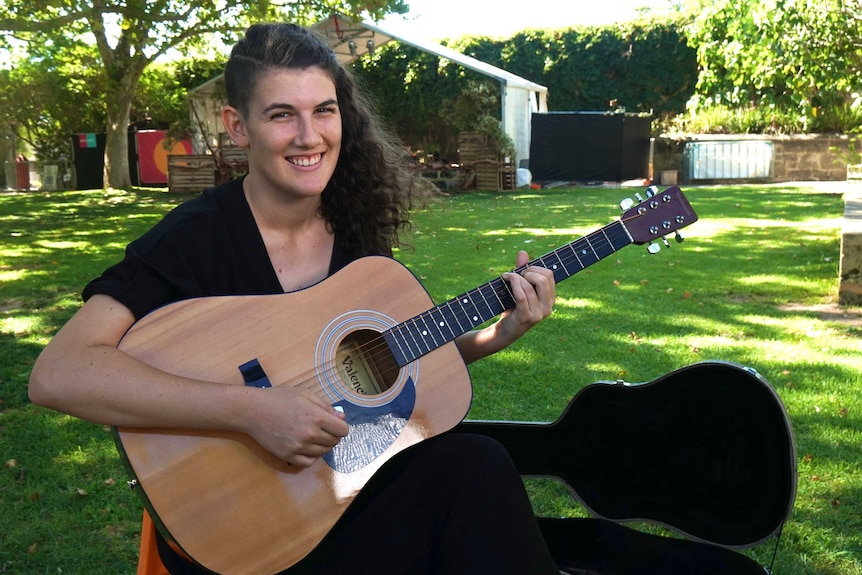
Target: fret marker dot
465	300
442	323
554	267
424	332
475	318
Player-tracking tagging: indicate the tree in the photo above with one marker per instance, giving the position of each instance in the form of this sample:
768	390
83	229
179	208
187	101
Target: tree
130	34
51	95
799	55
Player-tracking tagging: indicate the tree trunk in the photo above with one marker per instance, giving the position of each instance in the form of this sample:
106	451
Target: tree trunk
121	91
117	171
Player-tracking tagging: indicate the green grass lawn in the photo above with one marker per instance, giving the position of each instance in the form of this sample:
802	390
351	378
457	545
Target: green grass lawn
749	285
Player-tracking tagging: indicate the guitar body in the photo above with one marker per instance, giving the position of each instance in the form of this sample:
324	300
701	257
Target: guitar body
227	502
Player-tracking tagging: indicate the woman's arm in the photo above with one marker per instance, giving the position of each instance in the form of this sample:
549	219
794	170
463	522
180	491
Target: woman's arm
81	372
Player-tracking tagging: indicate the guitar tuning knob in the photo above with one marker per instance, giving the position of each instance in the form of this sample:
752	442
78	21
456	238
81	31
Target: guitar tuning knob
653	248
639	197
679	238
651	191
626	204
665	242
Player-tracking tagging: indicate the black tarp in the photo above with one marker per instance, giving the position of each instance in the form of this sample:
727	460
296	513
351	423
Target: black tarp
589	147
88	153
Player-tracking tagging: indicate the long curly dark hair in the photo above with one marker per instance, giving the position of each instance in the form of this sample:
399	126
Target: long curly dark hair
369	197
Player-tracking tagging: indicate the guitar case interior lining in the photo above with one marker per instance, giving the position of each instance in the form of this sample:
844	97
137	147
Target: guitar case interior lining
706	450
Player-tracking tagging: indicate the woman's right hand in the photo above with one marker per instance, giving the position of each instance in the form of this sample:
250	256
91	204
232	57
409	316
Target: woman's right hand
293	424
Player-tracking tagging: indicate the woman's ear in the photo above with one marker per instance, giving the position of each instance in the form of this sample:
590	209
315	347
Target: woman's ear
234	123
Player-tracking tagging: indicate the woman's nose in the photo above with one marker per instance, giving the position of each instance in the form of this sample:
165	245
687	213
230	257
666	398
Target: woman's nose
307	132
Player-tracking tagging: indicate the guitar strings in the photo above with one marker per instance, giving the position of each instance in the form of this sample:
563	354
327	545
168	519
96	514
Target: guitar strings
377	350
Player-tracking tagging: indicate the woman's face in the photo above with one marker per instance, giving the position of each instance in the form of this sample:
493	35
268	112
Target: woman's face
293	131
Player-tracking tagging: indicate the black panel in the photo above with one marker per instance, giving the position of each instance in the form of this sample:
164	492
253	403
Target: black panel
90	161
589	147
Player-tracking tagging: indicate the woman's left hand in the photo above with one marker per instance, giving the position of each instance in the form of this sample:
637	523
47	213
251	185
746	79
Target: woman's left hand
534	292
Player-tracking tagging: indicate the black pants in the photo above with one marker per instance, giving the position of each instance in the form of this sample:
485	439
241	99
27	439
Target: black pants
454	504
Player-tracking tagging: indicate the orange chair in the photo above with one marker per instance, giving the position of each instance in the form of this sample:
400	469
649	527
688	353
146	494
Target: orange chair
149	562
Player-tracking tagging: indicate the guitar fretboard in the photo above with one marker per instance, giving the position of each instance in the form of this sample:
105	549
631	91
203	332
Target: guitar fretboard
431	329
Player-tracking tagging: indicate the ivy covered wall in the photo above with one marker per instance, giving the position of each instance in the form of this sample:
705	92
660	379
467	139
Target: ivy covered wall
637	67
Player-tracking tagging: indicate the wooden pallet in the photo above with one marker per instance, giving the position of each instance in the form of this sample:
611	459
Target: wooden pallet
233	157
492	172
190	173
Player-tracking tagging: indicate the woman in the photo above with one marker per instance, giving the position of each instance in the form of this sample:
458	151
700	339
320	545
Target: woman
325	186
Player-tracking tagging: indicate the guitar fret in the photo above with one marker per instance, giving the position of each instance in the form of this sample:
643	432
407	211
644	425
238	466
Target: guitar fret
507	292
455	314
472	316
416	348
604	245
500	289
439	321
559	274
401	357
426	331
484	300
449	315
622	235
574	249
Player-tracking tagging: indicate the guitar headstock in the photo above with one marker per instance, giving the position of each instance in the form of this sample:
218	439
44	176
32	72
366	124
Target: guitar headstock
660	214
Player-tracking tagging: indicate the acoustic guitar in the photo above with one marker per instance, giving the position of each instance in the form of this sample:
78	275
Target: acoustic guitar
371	342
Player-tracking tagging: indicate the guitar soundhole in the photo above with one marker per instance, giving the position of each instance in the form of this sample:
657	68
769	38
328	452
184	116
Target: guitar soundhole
365	364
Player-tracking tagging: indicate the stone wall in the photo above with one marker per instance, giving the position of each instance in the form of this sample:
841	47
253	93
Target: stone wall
448	179
850	269
808	158
795	158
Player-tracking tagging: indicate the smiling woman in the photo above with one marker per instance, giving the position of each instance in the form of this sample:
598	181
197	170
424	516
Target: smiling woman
327	188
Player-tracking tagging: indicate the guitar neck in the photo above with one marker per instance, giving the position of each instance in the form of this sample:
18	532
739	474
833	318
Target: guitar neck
429	330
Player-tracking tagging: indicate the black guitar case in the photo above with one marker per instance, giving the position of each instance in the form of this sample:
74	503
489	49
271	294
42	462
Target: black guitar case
706	450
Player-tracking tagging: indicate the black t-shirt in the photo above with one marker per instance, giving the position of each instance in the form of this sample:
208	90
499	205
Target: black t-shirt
207	246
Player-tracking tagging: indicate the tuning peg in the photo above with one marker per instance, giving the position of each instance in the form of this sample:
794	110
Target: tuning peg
651	191
639	197
653	248
679	238
665	242
626	204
